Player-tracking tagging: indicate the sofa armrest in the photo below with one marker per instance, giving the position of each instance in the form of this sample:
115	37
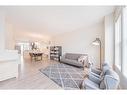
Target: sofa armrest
111	82
62	58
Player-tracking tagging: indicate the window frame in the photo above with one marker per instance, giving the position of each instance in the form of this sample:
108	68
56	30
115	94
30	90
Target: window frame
119	17
124	41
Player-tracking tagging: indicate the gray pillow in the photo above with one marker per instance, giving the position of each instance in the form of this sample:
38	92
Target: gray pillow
105	68
104	64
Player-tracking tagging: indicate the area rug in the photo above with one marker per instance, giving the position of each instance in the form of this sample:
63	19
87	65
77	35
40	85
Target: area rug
66	76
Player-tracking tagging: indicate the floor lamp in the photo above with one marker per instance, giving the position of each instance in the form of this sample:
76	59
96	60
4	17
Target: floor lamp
97	42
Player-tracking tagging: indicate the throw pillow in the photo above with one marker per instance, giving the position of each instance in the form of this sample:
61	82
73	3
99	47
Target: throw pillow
83	59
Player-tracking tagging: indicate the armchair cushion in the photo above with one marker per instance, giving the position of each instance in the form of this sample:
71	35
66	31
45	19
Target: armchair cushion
94	78
88	84
96	71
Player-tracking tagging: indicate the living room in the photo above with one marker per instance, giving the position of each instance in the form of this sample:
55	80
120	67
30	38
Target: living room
29	36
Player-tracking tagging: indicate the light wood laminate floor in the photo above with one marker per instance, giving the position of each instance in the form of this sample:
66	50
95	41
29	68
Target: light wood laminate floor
30	77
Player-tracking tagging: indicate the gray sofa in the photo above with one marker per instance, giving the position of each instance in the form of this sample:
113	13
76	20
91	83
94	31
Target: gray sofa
72	59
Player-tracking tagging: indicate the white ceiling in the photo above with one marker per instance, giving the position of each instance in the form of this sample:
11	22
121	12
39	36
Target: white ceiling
53	20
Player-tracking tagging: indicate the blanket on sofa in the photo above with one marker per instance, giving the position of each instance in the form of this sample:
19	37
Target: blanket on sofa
66	76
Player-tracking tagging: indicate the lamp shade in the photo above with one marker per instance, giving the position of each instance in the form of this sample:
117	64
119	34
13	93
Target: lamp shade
96	42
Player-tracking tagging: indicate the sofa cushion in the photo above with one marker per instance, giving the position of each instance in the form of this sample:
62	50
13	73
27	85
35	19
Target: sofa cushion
72	62
73	56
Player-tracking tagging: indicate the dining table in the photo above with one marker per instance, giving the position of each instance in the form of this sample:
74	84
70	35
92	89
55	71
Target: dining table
36	55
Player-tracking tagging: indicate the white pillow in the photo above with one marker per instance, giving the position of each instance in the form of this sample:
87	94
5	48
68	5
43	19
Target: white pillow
83	59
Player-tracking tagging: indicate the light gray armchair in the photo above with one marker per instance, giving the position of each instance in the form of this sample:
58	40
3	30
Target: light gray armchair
109	81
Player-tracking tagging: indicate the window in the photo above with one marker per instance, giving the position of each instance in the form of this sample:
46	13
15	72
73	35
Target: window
25	45
118	43
121	41
124	39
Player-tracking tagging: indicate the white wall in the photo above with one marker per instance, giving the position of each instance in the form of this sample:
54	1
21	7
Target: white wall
6	33
9	38
8	59
24	35
2	31
10	34
80	41
109	39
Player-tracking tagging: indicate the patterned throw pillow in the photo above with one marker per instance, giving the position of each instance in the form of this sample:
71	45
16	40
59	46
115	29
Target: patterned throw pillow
83	59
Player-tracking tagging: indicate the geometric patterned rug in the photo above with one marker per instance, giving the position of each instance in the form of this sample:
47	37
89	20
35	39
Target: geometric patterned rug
66	76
